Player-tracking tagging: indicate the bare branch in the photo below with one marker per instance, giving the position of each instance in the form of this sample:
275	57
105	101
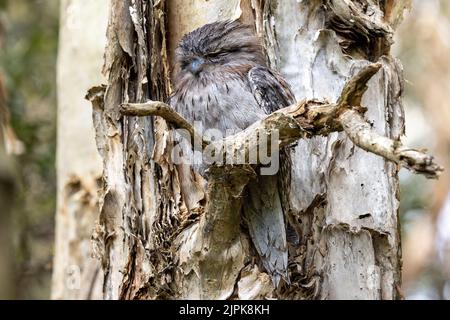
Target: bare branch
157	108
362	135
310	118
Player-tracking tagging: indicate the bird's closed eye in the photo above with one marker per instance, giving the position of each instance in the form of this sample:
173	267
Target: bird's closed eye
218	54
223	53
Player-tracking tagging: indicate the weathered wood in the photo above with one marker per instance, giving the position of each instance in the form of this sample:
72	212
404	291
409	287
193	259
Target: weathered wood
344	201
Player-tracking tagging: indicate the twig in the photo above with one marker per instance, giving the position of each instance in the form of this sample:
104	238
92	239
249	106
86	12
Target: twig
360	132
157	108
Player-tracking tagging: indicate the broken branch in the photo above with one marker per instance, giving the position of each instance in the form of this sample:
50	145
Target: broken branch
362	135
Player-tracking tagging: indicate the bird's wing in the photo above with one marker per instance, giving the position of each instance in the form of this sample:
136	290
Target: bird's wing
264	207
272	93
270	90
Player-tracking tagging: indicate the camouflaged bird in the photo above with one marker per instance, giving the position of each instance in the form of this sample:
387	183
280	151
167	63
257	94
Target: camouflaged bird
221	80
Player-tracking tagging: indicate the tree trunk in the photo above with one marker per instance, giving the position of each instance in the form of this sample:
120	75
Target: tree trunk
76	273
158	235
344	199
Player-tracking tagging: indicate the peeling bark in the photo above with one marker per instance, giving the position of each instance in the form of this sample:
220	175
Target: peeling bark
316	48
130	238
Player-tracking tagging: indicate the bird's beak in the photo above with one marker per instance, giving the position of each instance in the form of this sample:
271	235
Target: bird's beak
196	65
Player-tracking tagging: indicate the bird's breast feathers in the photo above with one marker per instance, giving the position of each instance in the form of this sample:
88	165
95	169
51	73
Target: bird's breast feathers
224	105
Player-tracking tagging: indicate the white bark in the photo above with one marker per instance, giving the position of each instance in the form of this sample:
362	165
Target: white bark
76	273
351	236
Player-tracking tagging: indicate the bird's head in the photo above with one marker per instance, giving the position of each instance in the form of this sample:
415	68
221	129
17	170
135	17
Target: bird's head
225	46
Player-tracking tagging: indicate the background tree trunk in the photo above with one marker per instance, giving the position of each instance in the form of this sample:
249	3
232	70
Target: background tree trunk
9	146
151	236
76	273
8	192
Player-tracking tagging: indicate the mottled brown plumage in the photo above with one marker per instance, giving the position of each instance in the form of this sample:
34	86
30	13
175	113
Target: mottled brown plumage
221	80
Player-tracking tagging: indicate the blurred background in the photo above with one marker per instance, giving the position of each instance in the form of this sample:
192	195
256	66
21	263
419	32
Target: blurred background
423	46
29	42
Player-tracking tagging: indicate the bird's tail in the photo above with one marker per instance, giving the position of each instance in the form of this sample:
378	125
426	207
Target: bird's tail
263	213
